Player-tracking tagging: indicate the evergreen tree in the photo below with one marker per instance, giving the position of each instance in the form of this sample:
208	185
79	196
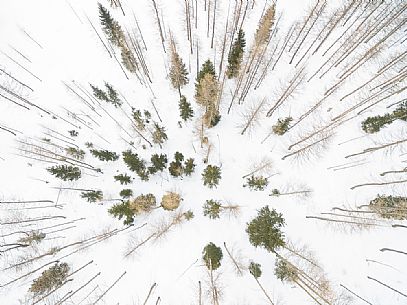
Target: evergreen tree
159	163
258	183
123	179
178	71
212	256
51	278
374	124
92	196
73	133
176	168
104	155
212	208
207	68
159	135
65	172
255	270
128	59
189	167
211	176
122	210
185	109
138	118
113	96
126	193
236	55
135	164
282	126
111	27
207	96
76	153
265	229
99	93
284	271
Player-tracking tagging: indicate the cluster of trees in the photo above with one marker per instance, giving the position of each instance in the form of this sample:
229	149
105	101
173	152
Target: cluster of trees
374	124
142	122
109	96
142	204
179	167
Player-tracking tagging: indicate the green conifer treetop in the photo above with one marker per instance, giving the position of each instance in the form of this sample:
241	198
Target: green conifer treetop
123	179
258	183
65	172
185	108
123	210
126	193
104	155
212	256
265	230
211	176
236	55
135	164
212	208
92	196
159	163
255	270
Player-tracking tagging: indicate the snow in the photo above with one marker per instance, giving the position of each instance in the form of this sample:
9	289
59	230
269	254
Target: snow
72	52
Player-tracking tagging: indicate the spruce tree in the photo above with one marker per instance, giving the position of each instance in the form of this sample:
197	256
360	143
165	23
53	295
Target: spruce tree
176	168
189	167
92	196
265	229
207	68
99	93
185	109
126	193
282	126
138	118
135	164
76	153
123	179
211	176
212	256
104	155
178	71
122	210
236	55
159	135
111	27
159	163
212	208
374	124
65	172
113	96
258	183
255	270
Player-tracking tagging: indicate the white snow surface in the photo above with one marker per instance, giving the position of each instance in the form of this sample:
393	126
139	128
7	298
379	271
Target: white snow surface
71	51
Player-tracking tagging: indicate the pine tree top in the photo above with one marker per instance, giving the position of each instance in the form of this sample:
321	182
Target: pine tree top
207	68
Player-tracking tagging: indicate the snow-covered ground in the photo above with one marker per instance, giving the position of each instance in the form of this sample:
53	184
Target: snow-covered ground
71	51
